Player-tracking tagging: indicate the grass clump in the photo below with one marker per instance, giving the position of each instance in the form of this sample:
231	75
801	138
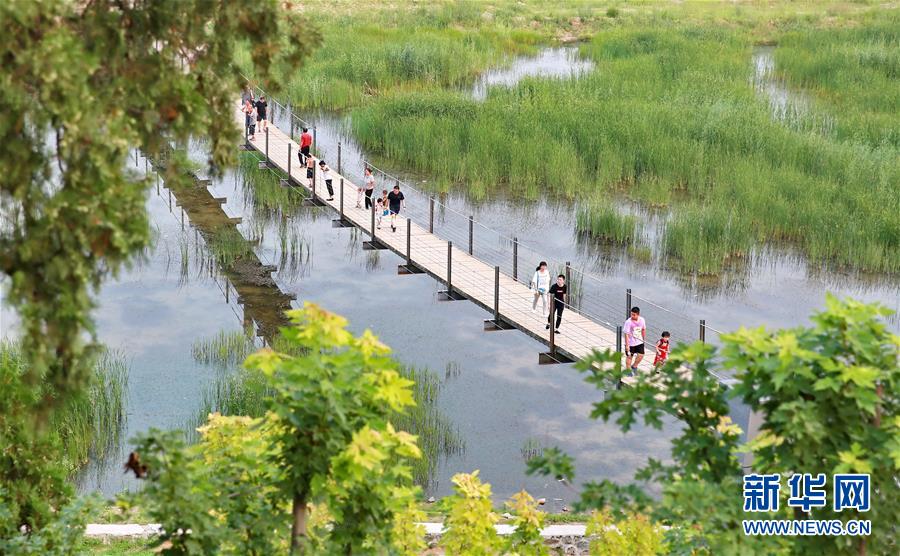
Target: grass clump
227	349
89	426
603	222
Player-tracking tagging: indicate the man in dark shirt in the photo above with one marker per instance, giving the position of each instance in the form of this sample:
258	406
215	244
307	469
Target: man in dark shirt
560	298
261	106
395	201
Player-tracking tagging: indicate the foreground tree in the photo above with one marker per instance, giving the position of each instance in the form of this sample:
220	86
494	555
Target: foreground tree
83	83
827	397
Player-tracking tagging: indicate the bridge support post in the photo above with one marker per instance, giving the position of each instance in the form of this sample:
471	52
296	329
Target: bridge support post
449	294
497	323
553	356
703	330
409	267
471	234
373	243
627	303
341	222
314	142
287	182
516	258
313	201
431	214
339	158
265	164
618	339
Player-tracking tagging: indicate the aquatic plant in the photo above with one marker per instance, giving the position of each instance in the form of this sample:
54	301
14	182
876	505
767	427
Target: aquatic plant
88	426
602	221
227	349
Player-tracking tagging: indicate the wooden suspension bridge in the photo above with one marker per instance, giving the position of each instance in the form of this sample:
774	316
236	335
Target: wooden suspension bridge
464	274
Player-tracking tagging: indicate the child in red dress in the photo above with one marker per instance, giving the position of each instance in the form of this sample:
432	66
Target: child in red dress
662	350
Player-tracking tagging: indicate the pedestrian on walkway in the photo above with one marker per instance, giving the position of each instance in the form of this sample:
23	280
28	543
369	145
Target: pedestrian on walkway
310	171
326	176
247	94
559	291
635	330
261	106
305	142
370	187
381	207
662	350
250	119
396	200
540	283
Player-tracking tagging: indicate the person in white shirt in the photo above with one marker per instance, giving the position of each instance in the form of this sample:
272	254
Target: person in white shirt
326	175
540	283
635	330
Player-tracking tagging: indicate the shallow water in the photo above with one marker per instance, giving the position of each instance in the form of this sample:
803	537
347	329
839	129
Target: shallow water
558	62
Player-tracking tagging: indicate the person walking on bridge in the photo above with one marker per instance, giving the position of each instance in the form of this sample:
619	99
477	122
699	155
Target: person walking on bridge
310	171
261	106
326	176
305	142
370	187
540	283
395	200
559	292
250	119
635	330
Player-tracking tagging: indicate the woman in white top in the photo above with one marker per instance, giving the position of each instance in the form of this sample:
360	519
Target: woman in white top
540	283
367	190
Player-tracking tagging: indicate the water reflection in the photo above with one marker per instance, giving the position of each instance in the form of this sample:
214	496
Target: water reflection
559	62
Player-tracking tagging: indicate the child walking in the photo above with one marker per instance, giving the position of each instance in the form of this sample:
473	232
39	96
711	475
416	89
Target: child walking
381	208
662	350
540	283
310	171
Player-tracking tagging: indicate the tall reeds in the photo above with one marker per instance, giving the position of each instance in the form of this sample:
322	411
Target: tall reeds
670	118
88	426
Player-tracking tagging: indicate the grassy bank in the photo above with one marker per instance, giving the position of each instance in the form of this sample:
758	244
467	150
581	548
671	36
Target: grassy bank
669	118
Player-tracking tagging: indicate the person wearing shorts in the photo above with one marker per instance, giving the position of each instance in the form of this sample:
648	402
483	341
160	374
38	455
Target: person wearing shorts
310	171
635	330
381	207
249	122
261	106
395	202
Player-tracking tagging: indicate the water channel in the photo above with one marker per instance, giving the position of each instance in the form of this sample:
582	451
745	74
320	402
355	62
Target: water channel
494	391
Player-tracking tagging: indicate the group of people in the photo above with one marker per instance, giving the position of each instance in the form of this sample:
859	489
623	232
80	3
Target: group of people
390	203
634	329
255	112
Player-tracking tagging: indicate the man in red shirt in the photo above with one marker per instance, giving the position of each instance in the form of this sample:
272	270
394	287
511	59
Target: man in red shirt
305	142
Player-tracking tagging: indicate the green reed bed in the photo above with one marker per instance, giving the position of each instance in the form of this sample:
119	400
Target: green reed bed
359	59
227	349
227	245
89	426
669	118
602	221
852	72
263	190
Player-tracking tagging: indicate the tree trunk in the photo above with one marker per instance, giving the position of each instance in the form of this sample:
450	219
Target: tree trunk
298	529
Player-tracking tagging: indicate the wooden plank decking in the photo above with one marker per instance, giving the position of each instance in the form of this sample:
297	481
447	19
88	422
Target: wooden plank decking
470	276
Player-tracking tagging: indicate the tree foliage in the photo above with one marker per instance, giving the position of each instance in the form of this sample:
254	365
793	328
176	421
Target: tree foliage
83	83
827	399
469	525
